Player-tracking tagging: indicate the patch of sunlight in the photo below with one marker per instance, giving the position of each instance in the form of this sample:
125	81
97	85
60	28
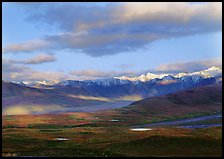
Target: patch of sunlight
131	98
124	98
91	98
17	110
29	109
9	154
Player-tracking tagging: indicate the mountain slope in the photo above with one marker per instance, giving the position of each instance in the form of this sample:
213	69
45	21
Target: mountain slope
201	95
192	102
210	72
143	86
72	93
33	100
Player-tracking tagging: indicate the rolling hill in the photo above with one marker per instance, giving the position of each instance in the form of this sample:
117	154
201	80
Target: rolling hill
183	104
18	99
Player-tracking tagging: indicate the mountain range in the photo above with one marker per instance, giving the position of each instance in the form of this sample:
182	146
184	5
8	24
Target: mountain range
144	85
37	96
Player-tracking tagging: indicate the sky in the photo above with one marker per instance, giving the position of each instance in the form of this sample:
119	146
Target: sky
90	40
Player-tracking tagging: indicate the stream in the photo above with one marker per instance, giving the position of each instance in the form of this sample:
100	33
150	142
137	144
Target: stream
184	121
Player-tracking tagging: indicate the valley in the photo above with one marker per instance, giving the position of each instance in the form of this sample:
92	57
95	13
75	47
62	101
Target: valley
108	133
96	95
112	79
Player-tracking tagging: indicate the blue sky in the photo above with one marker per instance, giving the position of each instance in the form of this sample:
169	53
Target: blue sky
57	41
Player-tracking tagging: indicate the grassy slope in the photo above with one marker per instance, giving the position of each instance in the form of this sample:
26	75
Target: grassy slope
116	141
18	94
178	146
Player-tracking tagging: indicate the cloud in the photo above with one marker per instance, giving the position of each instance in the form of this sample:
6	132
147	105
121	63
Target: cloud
188	66
124	66
26	46
41	58
97	74
95	16
169	12
17	72
120	27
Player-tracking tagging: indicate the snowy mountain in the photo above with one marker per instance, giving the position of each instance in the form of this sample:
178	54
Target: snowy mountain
36	83
195	76
144	85
210	72
142	78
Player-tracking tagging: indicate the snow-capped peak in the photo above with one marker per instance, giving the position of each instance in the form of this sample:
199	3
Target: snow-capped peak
34	83
210	72
214	68
20	83
153	76
46	82
179	75
143	78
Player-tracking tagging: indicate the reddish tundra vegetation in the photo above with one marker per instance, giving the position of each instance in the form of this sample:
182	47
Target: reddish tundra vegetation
109	133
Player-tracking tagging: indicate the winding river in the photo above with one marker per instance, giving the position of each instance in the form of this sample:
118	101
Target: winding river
184	121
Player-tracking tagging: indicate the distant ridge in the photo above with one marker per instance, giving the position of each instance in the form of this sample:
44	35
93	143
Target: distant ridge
207	73
137	87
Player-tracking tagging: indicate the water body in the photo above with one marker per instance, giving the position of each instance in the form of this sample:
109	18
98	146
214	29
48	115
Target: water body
183	121
200	126
61	139
114	120
140	129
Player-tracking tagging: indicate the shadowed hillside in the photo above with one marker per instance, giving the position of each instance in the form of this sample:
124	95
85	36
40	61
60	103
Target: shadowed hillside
201	95
28	100
189	103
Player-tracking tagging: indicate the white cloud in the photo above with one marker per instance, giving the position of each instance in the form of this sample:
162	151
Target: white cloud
190	66
169	12
26	46
41	58
97	74
16	72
